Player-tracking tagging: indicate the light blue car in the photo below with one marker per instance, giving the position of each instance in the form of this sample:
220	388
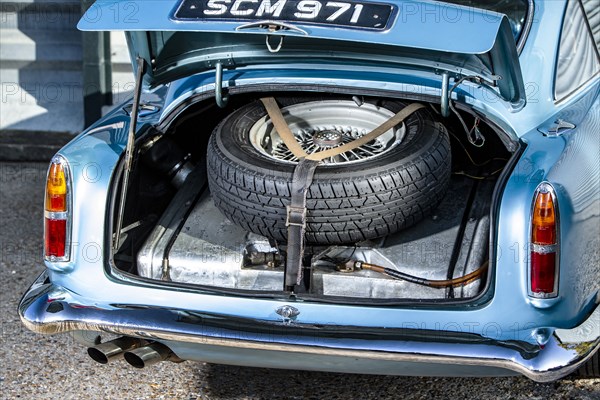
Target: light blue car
360	186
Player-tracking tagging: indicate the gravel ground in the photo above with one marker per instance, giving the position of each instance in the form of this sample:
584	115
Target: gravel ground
54	367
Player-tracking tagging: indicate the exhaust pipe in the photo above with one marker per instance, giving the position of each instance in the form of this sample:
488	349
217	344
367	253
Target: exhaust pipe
114	349
148	355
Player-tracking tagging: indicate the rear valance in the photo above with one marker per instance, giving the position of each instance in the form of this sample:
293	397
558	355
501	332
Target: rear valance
430	35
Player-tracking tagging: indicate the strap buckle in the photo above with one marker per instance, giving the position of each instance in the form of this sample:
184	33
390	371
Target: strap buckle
296	216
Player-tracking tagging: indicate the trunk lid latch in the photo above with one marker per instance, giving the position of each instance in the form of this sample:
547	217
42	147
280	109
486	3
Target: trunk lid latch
558	128
272	27
288	313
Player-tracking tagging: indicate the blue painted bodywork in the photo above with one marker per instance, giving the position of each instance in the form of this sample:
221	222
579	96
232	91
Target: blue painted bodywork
570	163
176	48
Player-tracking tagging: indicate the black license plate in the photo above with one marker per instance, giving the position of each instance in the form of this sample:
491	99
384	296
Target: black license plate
350	14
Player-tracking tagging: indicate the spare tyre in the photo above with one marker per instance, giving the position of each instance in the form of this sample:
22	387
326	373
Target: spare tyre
372	191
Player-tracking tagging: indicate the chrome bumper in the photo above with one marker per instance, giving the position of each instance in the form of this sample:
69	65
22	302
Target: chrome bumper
42	312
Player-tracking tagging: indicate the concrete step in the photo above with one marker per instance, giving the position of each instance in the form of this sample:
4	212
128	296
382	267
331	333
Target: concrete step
42	77
40	49
46	86
41	69
58	116
17	145
40	15
51	100
41	100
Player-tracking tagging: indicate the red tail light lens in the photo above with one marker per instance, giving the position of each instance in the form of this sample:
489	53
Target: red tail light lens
56	212
544	244
543	272
56	237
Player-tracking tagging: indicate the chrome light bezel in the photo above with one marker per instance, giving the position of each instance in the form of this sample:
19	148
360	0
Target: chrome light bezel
67	215
544	187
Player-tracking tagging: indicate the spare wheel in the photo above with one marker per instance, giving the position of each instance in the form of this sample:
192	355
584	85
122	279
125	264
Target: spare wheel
372	191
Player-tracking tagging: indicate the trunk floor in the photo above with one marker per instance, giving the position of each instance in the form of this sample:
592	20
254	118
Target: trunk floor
210	250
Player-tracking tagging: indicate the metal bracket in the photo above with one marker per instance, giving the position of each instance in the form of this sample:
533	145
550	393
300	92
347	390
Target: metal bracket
288	313
296	216
270	48
272	26
349	266
445	100
219	97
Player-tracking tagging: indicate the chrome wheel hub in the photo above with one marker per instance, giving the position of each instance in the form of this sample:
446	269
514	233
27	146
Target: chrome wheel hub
329	138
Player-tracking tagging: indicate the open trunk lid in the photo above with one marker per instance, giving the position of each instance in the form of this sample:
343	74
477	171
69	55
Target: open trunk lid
178	38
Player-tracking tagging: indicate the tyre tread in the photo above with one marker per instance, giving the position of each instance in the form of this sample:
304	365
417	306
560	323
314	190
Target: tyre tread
374	204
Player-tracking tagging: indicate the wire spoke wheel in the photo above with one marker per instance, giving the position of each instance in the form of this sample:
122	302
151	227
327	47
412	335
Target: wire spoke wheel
321	125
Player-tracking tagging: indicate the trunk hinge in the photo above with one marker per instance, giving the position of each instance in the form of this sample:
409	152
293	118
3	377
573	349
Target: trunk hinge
129	147
474	135
447	89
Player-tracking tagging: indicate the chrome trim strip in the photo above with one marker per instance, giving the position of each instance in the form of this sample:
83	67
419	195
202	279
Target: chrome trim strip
544	248
587	85
54	259
42	313
584	85
526	26
56	215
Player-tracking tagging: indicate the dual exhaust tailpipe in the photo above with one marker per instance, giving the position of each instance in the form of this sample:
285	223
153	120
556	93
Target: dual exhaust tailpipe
148	355
137	352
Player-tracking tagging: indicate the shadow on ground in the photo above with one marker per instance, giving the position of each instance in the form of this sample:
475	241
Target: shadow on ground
230	382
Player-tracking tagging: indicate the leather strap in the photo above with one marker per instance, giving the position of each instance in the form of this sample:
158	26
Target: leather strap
282	127
296	221
303	177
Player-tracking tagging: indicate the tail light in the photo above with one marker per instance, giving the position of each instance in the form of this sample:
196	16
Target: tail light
57	211
543	265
